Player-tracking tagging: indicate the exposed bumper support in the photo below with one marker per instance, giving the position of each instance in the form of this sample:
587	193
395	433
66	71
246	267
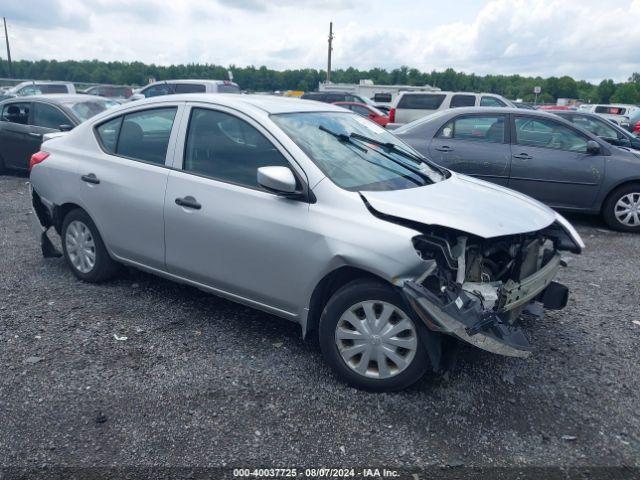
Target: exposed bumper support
515	294
463	316
39	222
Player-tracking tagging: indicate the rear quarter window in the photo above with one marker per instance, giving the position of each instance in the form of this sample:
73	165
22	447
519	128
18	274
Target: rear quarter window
421	102
108	134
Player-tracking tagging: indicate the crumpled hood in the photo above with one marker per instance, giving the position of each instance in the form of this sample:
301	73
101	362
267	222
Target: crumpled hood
466	204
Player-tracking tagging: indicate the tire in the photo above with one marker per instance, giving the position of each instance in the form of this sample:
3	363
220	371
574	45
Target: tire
613	210
339	319
2	167
92	263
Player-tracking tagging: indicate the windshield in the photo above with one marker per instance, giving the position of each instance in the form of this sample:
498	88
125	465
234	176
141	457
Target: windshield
85	109
333	140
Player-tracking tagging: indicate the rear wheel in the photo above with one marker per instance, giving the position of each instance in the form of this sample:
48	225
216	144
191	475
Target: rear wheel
621	210
370	339
84	250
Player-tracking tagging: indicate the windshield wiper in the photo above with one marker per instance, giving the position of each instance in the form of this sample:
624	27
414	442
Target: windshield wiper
343	137
397	149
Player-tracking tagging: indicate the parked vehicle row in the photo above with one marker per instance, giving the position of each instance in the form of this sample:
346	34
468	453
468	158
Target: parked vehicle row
312	213
25	120
173	87
410	106
536	153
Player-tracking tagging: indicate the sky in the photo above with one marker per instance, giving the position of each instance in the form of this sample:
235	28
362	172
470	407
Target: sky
586	39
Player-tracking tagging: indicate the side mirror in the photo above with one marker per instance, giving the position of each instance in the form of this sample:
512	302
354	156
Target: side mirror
65	128
278	180
593	147
136	96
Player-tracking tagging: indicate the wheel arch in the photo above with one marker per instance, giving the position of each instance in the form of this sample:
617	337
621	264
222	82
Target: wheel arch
329	285
623	183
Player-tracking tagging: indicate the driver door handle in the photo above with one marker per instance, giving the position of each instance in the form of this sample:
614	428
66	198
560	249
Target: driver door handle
91	178
188	202
523	156
444	148
37	135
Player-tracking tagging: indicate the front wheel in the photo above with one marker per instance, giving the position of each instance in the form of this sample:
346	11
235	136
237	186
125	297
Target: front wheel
370	339
84	250
621	210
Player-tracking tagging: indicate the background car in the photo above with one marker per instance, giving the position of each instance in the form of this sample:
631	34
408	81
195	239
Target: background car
24	121
608	131
172	87
335	96
38	87
110	91
634	122
617	113
536	153
410	106
372	113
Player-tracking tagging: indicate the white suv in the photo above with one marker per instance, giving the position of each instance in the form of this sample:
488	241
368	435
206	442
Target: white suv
410	106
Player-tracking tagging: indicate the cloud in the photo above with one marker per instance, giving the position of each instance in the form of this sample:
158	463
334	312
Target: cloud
587	39
49	14
262	6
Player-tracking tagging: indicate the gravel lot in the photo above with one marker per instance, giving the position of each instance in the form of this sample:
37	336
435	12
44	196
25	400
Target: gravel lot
201	381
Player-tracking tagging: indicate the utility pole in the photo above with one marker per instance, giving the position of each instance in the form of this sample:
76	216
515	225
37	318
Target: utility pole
330	49
6	36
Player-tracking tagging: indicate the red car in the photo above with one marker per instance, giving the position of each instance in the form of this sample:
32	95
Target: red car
372	113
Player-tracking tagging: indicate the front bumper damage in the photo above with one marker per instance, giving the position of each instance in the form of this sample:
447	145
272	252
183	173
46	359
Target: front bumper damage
463	314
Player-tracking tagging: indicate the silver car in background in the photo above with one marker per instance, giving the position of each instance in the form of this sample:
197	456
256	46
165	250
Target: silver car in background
311	213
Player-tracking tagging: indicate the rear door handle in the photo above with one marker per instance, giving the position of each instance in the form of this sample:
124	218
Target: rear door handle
523	156
91	178
444	148
188	202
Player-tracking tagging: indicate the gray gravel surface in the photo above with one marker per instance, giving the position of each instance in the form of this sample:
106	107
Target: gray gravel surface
201	381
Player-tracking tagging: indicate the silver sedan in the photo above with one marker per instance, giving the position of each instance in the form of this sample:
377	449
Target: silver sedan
311	213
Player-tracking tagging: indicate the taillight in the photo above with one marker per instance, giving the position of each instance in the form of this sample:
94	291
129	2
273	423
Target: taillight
37	158
636	128
392	115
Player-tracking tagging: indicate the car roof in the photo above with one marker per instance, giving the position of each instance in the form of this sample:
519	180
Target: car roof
56	98
267	103
452	112
190	80
446	92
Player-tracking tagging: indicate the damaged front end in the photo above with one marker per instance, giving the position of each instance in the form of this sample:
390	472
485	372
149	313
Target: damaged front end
479	290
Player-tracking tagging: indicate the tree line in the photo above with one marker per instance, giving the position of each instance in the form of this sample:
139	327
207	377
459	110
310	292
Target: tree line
264	79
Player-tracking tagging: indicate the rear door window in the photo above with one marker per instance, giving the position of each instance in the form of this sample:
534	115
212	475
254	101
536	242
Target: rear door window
48	116
485	128
140	135
190	88
16	113
463	101
421	102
